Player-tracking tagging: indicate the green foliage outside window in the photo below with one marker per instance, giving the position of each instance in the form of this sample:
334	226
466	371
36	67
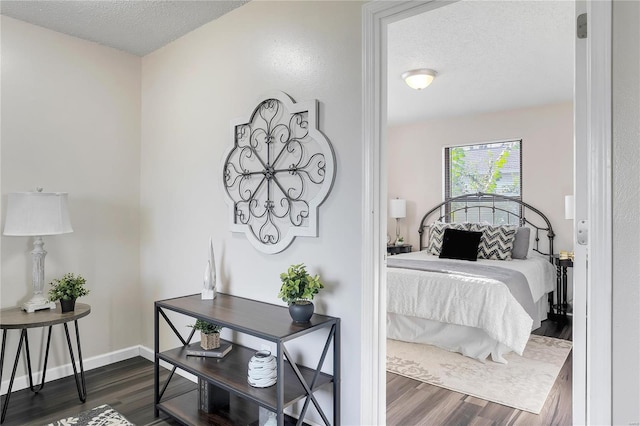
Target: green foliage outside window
481	168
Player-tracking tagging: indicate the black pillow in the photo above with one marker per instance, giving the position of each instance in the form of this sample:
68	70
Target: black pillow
457	244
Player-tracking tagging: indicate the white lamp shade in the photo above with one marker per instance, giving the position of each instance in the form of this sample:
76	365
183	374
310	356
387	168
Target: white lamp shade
37	214
568	207
419	79
398	208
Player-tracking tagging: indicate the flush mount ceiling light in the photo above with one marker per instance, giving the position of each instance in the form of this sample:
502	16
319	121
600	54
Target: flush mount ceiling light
420	78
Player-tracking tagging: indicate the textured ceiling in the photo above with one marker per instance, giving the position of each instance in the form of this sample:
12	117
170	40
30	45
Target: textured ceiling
489	55
137	27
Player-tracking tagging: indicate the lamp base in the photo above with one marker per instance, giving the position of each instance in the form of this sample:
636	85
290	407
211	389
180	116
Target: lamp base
37	304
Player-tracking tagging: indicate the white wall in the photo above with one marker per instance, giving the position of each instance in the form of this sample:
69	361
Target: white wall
71	123
191	90
626	205
416	161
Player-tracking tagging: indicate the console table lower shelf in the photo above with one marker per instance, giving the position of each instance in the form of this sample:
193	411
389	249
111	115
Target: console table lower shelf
183	409
229	398
230	375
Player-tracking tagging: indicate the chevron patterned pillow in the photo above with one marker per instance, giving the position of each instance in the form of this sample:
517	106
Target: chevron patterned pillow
496	242
436	234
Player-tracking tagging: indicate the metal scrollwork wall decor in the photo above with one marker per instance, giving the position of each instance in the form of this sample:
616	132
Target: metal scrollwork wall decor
278	171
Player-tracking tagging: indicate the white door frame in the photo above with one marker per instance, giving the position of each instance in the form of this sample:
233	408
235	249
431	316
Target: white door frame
596	206
592	363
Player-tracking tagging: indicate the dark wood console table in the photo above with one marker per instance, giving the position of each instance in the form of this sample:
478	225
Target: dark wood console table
229	374
17	319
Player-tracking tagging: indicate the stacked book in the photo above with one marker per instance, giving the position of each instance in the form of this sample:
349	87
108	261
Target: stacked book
218	352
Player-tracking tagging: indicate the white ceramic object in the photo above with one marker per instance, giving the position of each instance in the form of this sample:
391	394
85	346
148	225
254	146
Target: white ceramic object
272	421
207	291
209	281
212	260
263	370
267	417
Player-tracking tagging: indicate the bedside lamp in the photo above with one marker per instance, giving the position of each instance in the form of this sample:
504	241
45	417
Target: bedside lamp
35	214
398	210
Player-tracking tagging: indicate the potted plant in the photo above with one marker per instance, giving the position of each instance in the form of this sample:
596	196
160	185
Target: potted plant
298	289
209	334
67	289
400	241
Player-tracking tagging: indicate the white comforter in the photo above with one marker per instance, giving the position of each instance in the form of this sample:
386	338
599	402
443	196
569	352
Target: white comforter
469	300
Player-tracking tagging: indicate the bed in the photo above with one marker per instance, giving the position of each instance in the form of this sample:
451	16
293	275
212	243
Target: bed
480	308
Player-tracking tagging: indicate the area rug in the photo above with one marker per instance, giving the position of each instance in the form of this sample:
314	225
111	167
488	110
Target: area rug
524	383
103	415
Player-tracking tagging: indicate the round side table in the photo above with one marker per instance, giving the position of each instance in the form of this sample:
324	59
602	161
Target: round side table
17	319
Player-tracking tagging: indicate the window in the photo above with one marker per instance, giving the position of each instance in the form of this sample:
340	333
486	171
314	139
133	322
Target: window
493	168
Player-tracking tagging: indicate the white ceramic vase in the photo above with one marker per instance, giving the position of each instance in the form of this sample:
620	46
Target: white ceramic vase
263	370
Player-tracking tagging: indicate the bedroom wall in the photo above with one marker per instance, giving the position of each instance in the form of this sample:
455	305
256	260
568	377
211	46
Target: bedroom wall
191	90
416	161
71	123
626	222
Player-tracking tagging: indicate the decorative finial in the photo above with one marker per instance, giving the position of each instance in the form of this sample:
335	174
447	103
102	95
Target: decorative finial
209	282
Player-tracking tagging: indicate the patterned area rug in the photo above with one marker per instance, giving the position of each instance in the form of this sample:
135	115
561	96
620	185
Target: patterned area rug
524	383
103	415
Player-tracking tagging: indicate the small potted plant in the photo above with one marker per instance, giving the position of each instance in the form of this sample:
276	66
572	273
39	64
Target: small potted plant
67	289
400	241
298	289
209	334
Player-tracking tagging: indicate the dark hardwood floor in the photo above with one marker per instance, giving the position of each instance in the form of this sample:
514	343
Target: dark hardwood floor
410	402
127	386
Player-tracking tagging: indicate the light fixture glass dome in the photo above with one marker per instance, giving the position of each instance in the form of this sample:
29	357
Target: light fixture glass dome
420	78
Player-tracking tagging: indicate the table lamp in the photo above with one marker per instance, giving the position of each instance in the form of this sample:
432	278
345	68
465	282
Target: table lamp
398	210
35	214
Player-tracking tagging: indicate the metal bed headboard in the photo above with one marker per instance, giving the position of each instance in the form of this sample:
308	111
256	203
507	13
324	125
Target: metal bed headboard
466	208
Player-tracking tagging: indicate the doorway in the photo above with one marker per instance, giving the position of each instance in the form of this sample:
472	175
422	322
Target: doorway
586	407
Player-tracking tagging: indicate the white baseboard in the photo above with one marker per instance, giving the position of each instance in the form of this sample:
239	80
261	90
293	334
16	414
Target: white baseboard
22	382
146	353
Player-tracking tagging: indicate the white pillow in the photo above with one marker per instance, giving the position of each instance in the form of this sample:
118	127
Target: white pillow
436	235
496	242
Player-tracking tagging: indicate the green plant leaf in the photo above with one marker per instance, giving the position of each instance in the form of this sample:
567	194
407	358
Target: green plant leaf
206	327
68	287
297	284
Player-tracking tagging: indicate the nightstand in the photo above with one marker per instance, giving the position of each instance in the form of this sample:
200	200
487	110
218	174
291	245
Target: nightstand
393	249
560	307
